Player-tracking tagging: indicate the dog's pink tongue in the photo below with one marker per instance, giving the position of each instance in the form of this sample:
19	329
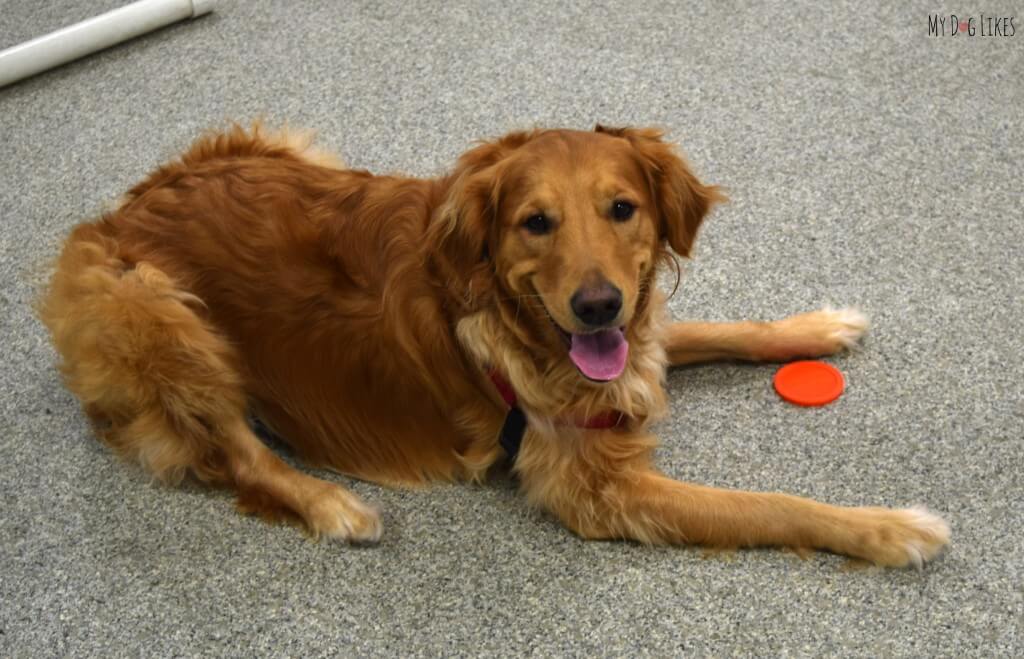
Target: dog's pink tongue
601	355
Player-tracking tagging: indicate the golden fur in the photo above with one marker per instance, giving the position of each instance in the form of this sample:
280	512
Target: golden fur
358	315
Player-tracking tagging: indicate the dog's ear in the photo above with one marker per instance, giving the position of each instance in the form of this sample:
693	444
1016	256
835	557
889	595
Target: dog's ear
465	229
682	200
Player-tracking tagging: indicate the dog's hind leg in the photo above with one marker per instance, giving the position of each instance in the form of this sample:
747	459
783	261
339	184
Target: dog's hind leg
813	334
268	487
161	387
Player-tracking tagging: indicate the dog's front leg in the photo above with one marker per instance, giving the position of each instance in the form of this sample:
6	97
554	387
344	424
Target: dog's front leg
812	334
601	485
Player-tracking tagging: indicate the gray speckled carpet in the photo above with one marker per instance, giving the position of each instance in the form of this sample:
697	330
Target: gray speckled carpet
868	164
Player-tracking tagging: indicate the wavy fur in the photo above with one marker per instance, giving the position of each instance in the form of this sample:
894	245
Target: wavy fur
357	315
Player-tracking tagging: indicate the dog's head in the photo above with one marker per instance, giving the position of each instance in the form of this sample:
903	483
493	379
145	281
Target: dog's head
562	230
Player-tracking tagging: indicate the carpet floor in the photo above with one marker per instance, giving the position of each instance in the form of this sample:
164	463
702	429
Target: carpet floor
868	164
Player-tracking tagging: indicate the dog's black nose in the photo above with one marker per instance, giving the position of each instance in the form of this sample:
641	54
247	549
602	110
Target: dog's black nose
596	306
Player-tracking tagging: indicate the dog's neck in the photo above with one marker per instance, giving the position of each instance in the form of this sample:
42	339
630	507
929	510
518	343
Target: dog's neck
550	388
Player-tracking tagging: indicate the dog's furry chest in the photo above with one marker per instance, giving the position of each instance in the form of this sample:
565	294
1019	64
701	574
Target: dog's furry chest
548	392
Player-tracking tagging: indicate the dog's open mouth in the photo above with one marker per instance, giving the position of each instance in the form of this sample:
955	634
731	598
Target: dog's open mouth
599	356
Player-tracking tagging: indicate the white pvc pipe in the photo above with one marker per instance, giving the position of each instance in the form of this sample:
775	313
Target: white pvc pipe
94	34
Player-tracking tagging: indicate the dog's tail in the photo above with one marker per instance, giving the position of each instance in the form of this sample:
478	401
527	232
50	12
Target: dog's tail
151	374
162	388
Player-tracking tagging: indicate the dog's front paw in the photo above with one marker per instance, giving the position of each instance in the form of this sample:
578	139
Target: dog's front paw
814	334
842	328
899	538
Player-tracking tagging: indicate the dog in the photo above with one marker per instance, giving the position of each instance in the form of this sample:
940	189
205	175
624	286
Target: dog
404	330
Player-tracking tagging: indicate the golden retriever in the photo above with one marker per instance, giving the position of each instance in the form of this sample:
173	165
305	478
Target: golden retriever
402	330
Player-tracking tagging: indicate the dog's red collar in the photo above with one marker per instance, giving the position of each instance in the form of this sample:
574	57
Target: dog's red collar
603	421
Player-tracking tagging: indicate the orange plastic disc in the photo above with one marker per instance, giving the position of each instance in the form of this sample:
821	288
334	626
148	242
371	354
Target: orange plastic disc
809	383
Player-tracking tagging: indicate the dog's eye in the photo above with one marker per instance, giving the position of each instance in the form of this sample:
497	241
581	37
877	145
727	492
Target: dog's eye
538	224
622	210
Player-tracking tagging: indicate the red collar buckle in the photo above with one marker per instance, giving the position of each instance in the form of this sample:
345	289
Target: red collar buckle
603	421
